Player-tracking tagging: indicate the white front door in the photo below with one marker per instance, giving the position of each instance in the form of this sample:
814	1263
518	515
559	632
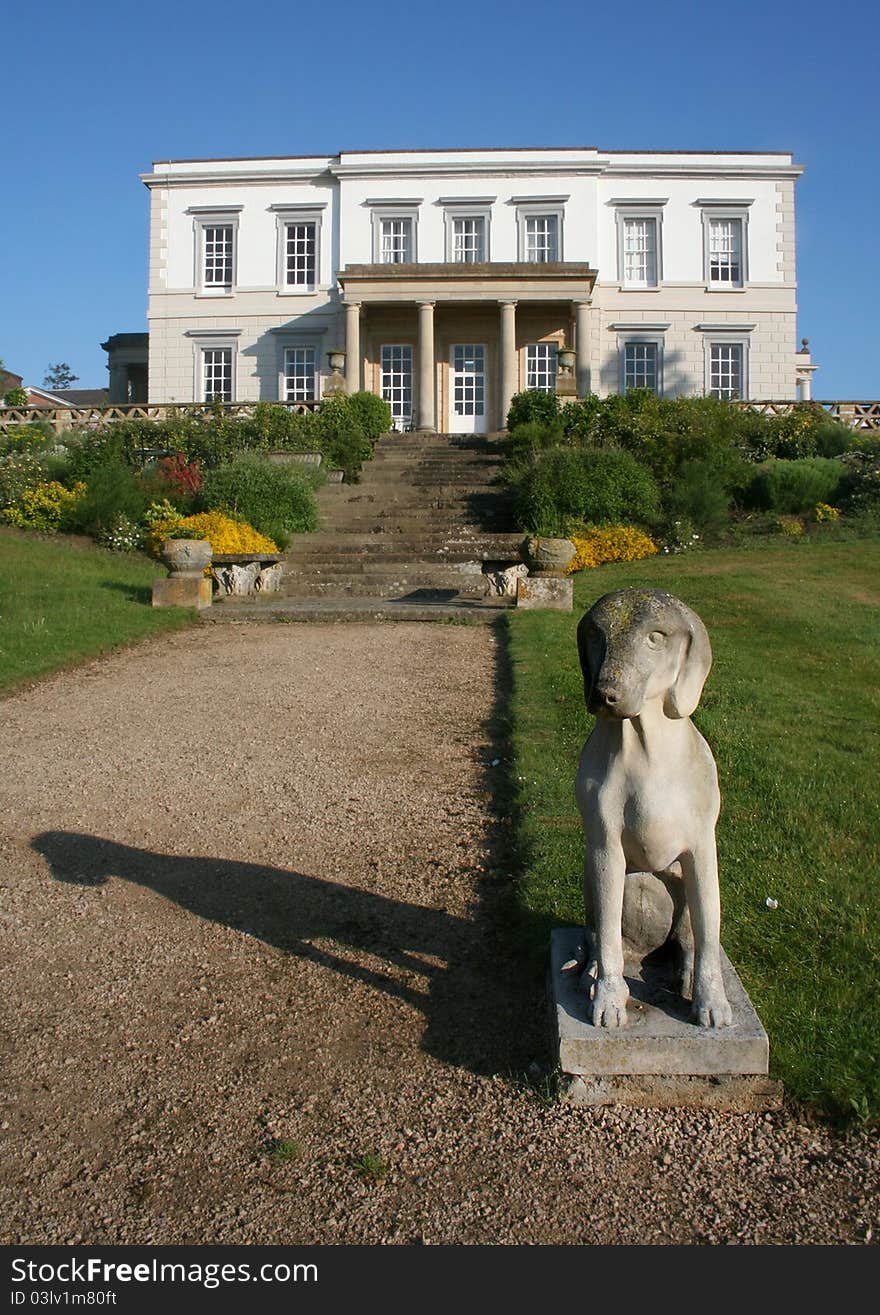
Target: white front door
468	404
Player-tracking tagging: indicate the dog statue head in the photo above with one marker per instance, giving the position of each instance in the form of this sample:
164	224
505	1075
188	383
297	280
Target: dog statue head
639	644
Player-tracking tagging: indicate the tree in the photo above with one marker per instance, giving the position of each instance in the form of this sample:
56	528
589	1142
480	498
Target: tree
59	376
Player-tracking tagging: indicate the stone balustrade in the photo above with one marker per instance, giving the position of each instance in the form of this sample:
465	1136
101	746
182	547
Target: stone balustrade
856	414
88	417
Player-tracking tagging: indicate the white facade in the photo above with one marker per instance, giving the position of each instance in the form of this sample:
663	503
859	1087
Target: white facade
452	278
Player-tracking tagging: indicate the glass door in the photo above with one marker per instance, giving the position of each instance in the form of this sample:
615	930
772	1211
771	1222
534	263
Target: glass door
467	389
396	361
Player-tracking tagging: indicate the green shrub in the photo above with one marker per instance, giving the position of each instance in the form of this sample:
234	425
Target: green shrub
270	426
373	413
588	485
700	496
865	444
794	487
93	450
277	499
55	464
833	438
533	436
343	442
113	491
667	432
859	491
806	430
579	419
532	404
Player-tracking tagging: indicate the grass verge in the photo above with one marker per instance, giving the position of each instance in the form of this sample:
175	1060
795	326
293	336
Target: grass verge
63	601
792	712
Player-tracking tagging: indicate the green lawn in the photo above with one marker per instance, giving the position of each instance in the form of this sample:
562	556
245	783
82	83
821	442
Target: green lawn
62	600
792	712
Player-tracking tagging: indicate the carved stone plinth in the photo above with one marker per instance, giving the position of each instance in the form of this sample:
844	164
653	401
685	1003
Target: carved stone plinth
183	591
247	574
545	591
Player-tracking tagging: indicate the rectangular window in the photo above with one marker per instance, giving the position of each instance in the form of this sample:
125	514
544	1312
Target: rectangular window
640	252
469	239
541	366
541	238
396	365
396	241
217	251
726	370
640	366
300	374
217	373
725	263
301	255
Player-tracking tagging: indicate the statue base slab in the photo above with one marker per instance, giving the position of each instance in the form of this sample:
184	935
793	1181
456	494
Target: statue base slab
660	1058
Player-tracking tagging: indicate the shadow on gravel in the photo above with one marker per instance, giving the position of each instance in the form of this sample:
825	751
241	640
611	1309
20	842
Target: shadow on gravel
472	1004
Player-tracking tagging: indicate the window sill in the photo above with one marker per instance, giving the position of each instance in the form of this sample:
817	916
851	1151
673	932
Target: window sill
297	292
639	287
714	287
212	295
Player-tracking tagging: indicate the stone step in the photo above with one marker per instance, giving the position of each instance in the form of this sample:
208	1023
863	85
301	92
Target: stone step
415	481
437	498
403	547
415	608
388	584
381	570
434	525
483	544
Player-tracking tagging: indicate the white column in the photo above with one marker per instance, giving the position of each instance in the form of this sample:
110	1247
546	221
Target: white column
352	347
426	365
582	347
508	360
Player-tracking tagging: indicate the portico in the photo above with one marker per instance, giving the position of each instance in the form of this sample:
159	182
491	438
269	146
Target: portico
449	344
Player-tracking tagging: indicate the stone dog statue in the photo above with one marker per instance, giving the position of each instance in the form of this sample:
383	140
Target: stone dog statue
647	789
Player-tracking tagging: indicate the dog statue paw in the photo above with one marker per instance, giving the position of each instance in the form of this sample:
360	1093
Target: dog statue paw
711	1008
608	1007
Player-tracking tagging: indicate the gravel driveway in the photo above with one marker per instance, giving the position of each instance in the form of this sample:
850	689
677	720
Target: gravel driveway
258	988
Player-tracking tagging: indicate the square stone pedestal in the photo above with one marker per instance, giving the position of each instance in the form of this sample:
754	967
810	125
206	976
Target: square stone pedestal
660	1058
545	591
183	591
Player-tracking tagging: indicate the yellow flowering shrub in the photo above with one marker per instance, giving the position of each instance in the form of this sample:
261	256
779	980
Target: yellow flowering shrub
823	512
42	507
789	525
224	534
609	543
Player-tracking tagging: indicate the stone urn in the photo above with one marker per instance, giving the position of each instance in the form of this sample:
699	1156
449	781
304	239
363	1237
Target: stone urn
549	556
186	557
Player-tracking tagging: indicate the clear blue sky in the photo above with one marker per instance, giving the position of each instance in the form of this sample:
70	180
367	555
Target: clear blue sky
94	93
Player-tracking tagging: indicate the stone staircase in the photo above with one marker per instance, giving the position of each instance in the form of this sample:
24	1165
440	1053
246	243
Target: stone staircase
416	538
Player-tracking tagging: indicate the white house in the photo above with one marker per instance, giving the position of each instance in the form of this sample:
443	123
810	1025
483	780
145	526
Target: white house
452	278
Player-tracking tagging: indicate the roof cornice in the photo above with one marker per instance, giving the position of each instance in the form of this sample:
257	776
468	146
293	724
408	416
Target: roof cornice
689	170
467	168
213	178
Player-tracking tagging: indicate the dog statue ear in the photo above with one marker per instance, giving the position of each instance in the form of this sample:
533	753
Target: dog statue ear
584	655
684	694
